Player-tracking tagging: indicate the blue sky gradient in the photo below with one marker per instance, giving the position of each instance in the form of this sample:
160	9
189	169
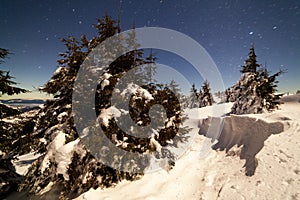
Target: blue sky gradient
31	30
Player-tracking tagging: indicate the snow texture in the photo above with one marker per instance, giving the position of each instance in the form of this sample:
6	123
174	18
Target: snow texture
220	174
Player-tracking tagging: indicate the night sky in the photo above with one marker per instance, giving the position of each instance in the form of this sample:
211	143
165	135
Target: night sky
31	30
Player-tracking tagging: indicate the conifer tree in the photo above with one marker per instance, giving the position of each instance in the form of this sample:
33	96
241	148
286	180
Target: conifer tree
56	118
205	96
268	88
255	91
9	133
193	99
174	87
150	69
251	63
6	87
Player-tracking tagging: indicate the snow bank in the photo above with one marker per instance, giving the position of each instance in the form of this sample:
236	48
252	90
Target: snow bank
241	130
291	98
218	176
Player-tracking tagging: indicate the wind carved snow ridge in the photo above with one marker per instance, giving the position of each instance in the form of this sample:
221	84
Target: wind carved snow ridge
245	131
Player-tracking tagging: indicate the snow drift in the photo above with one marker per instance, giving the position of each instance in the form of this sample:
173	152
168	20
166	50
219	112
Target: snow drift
220	175
246	131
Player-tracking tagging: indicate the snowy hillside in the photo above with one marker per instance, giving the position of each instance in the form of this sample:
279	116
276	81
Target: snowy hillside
203	173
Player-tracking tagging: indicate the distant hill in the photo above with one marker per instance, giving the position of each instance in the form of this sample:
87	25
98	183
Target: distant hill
23	101
23	105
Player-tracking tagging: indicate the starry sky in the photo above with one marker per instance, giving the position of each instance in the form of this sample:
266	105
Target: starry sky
32	30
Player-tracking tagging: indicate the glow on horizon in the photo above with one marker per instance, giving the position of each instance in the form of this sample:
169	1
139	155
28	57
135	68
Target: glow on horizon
29	95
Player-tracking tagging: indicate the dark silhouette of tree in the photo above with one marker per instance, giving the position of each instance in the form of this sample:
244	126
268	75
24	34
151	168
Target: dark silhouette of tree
251	63
9	136
6	83
193	99
150	67
205	96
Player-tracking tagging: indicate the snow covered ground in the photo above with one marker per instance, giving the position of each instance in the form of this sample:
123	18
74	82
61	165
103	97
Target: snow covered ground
203	173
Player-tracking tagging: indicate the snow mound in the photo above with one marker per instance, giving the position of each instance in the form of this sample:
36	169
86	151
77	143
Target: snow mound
241	130
291	98
219	175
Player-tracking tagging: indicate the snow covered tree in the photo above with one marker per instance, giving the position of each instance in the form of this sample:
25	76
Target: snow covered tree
150	67
202	98
9	179
267	89
76	170
251	63
55	127
11	135
247	100
193	101
205	96
255	91
6	79
6	84
173	86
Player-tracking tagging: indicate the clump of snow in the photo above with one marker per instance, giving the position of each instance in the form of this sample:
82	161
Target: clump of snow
47	188
107	75
104	83
145	94
107	114
60	152
59	70
57	142
155	145
130	89
23	162
139	91
64	155
61	116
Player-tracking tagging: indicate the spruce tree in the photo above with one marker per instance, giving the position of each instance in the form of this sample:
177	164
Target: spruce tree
56	120
267	89
251	63
174	87
255	91
10	135
150	67
205	96
7	87
193	98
